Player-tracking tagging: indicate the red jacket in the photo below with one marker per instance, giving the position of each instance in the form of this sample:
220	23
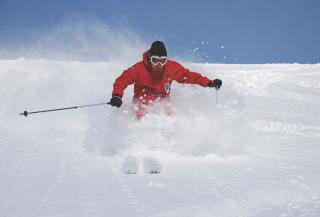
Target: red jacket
149	85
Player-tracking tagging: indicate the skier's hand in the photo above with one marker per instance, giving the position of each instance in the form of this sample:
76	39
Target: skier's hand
216	83
115	101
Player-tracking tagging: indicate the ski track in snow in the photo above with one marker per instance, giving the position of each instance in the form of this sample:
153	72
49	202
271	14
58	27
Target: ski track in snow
254	154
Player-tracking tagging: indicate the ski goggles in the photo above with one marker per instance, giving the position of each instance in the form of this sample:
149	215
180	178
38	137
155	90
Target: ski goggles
162	60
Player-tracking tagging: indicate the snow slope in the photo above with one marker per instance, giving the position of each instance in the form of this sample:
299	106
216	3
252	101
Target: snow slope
252	149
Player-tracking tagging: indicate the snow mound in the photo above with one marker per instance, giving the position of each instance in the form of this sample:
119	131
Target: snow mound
250	150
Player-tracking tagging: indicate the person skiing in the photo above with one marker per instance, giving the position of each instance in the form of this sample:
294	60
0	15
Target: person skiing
152	78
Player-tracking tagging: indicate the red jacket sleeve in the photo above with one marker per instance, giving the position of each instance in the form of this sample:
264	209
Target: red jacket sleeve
128	77
184	75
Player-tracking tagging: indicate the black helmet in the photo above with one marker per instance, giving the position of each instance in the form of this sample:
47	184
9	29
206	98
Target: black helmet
158	49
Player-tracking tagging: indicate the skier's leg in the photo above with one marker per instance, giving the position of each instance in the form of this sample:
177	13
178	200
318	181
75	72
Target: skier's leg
139	110
166	106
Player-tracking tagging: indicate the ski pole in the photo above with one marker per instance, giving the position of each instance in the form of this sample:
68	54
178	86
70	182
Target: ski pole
26	113
217	96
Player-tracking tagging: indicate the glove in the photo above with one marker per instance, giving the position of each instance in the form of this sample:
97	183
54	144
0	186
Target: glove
115	101
216	83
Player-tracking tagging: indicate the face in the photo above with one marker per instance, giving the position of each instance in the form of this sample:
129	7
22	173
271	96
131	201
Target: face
156	67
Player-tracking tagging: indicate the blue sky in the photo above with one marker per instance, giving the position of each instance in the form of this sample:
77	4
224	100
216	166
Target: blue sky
229	31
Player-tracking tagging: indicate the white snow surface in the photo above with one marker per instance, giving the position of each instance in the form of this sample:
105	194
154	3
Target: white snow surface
251	149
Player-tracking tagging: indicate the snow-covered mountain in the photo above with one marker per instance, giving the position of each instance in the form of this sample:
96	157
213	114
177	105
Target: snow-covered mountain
251	149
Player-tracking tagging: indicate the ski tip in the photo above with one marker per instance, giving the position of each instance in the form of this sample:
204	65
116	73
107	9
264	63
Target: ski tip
130	172
154	172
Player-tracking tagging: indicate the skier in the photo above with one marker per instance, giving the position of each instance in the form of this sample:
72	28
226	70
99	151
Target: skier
152	78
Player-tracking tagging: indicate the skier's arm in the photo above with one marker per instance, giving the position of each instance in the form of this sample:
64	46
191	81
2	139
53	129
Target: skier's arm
128	77
184	75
